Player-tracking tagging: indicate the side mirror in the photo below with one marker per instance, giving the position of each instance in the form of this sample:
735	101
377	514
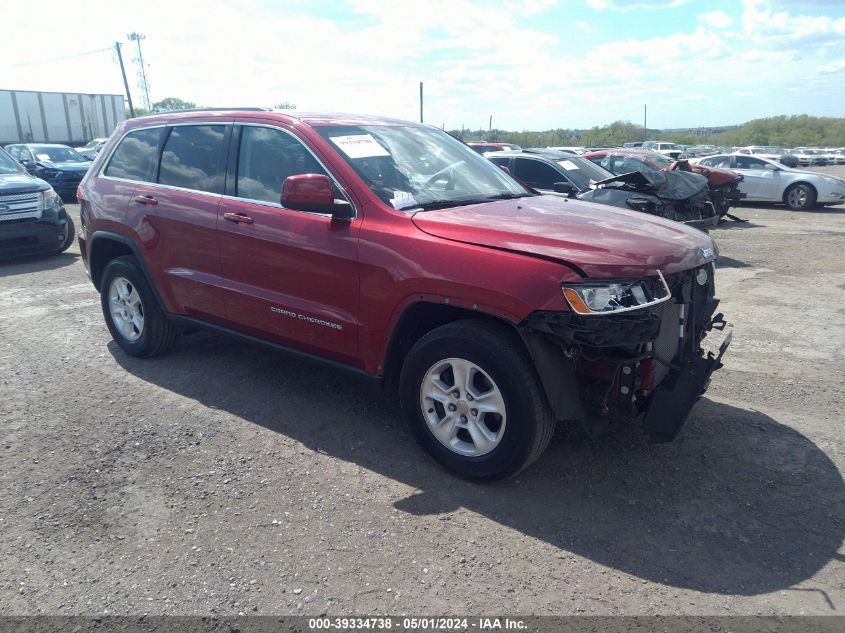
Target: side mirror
564	187
771	167
314	192
24	161
505	169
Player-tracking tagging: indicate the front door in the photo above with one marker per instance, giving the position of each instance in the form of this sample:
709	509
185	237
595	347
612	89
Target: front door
760	178
289	276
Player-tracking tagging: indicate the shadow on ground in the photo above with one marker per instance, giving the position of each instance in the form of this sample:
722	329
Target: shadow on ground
739	504
36	264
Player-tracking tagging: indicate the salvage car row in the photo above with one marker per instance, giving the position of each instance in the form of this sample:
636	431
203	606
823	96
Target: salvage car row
698	191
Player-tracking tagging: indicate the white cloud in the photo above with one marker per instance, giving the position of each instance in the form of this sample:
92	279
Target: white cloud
530	7
832	67
763	24
627	5
716	19
476	58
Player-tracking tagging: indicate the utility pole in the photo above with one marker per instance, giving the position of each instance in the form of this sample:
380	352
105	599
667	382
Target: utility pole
125	83
490	127
645	121
144	85
421	102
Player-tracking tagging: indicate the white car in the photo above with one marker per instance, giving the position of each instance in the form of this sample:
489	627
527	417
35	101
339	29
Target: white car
831	156
765	180
669	149
777	154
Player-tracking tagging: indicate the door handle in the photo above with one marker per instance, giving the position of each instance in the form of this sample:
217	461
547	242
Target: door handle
145	200
238	217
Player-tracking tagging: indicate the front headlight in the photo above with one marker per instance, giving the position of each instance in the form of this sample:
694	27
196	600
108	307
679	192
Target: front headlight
833	180
50	199
613	298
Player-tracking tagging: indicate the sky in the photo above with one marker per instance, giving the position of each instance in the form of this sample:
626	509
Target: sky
530	64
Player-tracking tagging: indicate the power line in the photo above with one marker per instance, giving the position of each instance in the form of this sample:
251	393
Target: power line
57	59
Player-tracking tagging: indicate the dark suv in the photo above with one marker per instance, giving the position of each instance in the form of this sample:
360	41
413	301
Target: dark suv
59	165
393	250
33	219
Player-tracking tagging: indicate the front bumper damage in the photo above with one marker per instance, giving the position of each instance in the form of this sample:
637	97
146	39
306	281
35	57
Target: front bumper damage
647	365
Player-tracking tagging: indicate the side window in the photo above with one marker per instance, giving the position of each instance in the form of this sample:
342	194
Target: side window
193	158
267	156
537	174
748	162
137	156
14	151
501	161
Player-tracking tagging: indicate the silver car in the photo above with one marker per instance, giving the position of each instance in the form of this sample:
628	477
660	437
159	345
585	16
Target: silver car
768	181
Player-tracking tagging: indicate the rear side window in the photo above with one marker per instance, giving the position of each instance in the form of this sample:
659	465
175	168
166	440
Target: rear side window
136	156
268	156
193	158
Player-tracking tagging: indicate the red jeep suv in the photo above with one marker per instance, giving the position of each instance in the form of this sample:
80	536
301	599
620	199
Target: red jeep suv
393	250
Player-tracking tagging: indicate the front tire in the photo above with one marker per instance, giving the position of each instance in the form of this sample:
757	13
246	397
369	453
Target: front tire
136	321
474	401
70	232
800	197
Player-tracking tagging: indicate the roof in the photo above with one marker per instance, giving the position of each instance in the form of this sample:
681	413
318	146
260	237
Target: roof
40	144
313	119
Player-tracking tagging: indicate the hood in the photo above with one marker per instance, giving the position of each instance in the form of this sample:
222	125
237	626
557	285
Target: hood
66	166
601	241
20	183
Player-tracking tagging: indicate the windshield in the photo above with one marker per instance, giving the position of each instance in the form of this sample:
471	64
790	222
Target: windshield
419	168
9	165
57	154
583	172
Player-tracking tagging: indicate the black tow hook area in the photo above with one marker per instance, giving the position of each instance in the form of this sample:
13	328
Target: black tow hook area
674	398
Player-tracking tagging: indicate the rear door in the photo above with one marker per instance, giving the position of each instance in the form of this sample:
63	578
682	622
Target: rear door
176	217
290	276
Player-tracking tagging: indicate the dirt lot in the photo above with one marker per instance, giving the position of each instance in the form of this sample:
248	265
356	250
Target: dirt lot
226	479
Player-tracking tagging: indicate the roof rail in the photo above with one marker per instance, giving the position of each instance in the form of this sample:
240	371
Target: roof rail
214	109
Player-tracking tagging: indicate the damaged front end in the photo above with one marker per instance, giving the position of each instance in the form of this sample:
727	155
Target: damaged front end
676	195
629	350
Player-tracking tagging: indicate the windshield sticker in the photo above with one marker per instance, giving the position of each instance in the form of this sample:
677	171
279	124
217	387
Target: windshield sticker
403	200
567	164
42	156
359	146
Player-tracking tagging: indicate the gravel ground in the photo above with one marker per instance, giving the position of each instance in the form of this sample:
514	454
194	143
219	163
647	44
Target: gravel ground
225	479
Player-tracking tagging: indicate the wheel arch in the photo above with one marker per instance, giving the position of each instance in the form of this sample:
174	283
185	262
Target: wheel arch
795	184
105	246
417	320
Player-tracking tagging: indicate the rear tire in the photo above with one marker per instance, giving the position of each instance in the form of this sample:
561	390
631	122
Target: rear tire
800	197
136	321
474	401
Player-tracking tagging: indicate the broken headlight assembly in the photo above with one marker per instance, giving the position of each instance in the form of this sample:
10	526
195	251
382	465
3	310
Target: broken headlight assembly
615	297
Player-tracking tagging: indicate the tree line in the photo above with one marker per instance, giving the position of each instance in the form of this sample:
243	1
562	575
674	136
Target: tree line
786	131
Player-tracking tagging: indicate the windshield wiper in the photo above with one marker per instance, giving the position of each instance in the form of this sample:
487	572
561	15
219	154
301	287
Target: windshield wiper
509	196
445	204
